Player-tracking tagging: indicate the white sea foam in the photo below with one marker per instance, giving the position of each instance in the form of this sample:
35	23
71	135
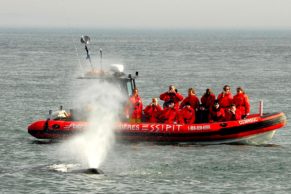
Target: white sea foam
63	167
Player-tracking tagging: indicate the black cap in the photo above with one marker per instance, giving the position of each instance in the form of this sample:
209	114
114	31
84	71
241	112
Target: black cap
216	102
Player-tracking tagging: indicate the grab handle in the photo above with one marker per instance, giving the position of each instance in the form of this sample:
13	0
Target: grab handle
261	108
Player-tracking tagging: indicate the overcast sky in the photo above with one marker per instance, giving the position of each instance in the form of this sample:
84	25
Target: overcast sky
146	13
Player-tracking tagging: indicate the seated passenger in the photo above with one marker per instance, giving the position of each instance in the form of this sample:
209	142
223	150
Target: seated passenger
241	101
232	114
134	107
202	114
171	95
186	115
216	113
60	114
225	98
191	99
153	111
170	114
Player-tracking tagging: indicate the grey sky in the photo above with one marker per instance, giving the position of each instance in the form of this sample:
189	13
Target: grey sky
146	13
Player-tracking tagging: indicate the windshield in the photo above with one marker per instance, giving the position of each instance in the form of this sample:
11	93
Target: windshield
129	87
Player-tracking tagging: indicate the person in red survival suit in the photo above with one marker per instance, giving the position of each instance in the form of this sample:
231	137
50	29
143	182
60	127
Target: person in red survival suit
232	114
170	114
216	113
241	101
171	95
135	107
208	98
225	98
186	114
192	99
153	111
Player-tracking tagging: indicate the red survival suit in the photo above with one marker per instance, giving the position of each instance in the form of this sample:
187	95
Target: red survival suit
152	113
186	115
135	107
225	99
193	100
229	116
176	97
242	103
208	100
216	115
169	115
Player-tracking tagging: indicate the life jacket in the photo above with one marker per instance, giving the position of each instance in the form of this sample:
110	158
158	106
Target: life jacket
152	113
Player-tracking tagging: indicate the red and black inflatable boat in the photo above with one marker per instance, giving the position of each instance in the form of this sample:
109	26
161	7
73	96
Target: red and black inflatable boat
255	129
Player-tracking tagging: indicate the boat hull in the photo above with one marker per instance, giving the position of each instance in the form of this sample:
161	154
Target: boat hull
253	130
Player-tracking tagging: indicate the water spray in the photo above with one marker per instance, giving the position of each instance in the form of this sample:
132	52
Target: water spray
100	58
102	102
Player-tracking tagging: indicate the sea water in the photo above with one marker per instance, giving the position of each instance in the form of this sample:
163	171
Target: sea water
39	68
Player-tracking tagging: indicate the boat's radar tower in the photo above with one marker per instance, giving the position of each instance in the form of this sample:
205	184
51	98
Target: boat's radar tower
115	72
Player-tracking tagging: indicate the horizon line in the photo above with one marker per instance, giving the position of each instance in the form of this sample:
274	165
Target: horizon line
148	28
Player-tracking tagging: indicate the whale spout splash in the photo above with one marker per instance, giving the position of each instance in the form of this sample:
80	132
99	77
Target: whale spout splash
103	102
